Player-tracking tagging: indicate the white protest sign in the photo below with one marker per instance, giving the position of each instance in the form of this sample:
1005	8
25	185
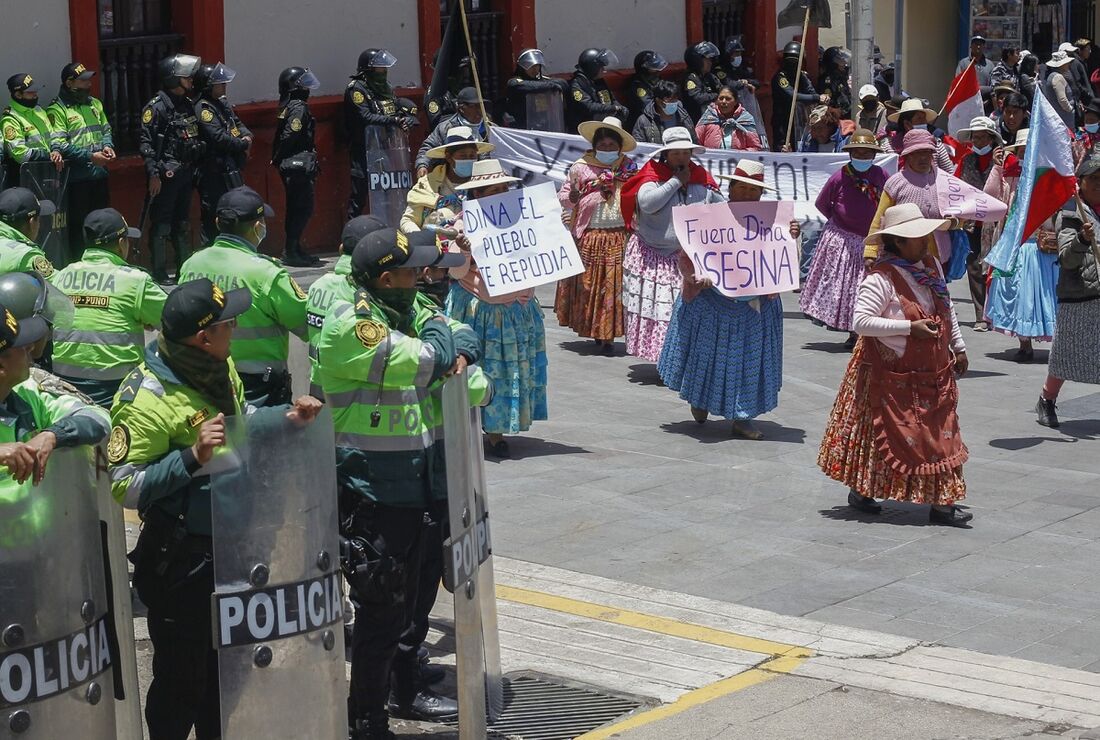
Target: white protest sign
746	249
518	241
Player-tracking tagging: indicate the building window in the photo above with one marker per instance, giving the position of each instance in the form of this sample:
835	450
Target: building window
133	36
485	37
722	19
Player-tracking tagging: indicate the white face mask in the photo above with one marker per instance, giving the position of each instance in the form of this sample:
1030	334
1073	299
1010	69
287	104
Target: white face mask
1092	128
981	151
607	157
736	61
920	126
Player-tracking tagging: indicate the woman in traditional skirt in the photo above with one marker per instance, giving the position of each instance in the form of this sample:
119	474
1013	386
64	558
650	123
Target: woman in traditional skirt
893	432
651	281
591	303
510	327
1075	354
848	202
725	355
1022	301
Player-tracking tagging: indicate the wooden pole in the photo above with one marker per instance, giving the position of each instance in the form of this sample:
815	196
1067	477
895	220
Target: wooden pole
473	66
798	75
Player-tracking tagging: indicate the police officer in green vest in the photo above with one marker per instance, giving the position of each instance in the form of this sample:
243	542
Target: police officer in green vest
334	286
113	304
81	123
262	341
20	221
28	134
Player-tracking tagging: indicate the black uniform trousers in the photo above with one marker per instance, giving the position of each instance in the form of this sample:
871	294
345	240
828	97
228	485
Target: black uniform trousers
184	691
360	191
269	389
383	603
299	206
212	186
85	196
436	525
169	214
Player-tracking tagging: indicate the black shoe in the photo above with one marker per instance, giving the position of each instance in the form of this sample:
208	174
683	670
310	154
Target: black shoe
700	415
374	727
313	261
956	517
1047	413
499	450
426	706
296	260
1024	355
431	674
865	504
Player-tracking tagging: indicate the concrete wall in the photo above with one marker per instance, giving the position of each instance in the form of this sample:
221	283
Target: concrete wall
565	28
929	55
263	37
34	36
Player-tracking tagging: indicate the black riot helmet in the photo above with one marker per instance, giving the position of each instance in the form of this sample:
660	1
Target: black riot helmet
296	79
649	61
530	58
591	61
209	75
792	50
375	58
173	69
695	55
733	46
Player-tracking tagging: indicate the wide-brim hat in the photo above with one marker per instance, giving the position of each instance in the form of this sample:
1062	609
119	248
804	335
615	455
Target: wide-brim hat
749	172
678	138
913	105
1021	140
1059	59
979	123
917	140
487	172
906	220
588	130
459	136
862	139
1004	87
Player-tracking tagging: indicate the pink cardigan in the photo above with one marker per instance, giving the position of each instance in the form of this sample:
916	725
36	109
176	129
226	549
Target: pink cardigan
581	173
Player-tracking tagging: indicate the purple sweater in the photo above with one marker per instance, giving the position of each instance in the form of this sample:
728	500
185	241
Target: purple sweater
841	202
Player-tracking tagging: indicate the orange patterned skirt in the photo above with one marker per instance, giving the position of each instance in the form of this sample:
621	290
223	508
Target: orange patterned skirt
591	304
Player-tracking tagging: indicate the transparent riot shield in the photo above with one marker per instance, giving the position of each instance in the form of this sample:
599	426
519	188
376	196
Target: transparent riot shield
43	179
752	105
545	111
277	607
56	654
389	172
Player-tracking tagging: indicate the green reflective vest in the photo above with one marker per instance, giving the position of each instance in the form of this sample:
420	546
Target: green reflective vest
261	340
378	383
325	291
113	303
84	129
20	254
28	134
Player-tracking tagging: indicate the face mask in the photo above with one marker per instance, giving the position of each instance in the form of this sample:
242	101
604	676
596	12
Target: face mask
920	126
607	157
1092	128
672	108
224	100
29	101
464	167
399	299
862	165
981	151
261	233
736	61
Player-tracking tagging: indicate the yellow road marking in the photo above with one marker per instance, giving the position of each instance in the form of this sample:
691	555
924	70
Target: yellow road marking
785	658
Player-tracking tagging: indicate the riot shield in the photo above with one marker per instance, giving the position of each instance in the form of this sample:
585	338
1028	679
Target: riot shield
56	654
545	111
389	172
277	607
43	179
752	105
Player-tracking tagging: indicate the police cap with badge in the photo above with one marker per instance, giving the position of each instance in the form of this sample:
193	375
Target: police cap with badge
197	304
241	205
390	249
19	204
106	226
22	82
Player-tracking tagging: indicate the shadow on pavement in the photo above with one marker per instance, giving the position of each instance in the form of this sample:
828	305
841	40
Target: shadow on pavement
1071	431
980	374
1009	355
833	348
893	512
718	430
521	447
644	374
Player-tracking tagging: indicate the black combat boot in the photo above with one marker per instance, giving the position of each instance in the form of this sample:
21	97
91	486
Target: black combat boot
376	726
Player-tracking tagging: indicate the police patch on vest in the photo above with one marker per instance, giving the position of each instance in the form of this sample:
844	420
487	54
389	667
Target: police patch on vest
315	320
783	82
235	131
370	333
605	97
207	115
277	612
578	95
389	108
198	417
91	301
297	289
357	97
691	85
147	116
295	124
433	107
118	444
42	266
10	133
47	669
641	92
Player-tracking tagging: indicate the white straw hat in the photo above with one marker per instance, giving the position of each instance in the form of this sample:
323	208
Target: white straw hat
906	220
588	130
678	137
979	123
487	172
750	172
912	105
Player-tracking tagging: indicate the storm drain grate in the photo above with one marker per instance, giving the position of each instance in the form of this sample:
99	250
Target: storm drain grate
541	708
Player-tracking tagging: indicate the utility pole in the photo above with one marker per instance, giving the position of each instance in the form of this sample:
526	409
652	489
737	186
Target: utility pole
863	43
899	25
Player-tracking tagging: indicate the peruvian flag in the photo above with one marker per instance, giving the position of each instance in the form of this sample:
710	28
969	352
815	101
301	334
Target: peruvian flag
964	100
1046	184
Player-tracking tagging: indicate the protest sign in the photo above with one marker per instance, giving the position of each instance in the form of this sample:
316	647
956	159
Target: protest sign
961	200
746	249
518	241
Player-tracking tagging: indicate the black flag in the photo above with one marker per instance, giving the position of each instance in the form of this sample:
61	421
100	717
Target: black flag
795	12
452	49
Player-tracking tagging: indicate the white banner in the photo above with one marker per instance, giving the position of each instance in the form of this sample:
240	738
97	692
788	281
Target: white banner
518	241
538	156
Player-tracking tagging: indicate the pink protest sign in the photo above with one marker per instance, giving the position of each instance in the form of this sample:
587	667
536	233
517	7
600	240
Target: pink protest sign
965	202
746	249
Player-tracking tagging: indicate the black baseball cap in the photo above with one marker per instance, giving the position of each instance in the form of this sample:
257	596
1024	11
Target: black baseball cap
20	332
357	228
107	226
76	71
243	204
19	204
389	249
977	39
21	83
468	96
196	304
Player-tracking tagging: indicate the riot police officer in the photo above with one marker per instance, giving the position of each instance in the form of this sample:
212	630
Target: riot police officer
369	101
732	67
278	303
171	147
786	94
446	104
527	79
590	98
294	154
20	221
29	136
227	141
700	85
113	303
648	65
834	80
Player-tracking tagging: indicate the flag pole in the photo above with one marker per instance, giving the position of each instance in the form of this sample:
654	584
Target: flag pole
473	66
798	75
954	85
